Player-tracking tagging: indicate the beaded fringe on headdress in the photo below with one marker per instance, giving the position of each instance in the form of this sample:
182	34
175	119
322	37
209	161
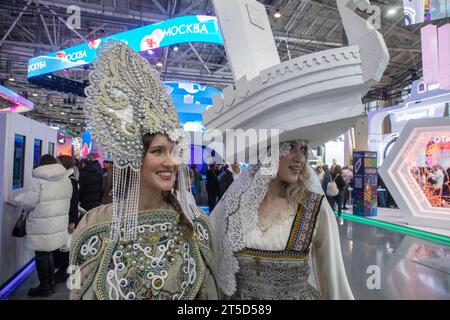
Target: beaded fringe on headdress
126	182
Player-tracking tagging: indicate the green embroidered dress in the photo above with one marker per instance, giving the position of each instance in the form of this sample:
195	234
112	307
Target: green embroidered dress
164	263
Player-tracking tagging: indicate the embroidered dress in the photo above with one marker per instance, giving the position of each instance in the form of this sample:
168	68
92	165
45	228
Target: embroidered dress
296	256
279	274
163	263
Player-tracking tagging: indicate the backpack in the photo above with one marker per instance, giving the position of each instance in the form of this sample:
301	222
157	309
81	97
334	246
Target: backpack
332	189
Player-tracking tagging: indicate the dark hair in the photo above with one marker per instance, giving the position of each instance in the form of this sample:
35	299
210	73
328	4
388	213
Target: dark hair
168	196
91	157
337	170
66	161
47	159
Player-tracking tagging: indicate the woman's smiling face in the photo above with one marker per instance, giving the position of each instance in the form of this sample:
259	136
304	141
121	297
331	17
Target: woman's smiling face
291	165
158	169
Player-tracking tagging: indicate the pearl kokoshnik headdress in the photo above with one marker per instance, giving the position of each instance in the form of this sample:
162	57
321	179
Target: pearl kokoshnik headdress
126	100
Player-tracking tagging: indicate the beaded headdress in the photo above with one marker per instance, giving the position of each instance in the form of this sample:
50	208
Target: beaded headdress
125	101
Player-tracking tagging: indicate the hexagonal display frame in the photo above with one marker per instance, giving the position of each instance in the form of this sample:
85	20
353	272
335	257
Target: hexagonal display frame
397	176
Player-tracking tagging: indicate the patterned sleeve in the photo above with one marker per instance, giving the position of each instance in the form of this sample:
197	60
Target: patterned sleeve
89	240
203	235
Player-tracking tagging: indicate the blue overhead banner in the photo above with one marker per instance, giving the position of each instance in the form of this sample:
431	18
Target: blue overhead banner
161	34
190	100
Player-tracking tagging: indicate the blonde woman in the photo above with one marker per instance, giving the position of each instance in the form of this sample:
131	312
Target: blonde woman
276	236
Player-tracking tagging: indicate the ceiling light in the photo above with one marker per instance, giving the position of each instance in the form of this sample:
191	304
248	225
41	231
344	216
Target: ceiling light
159	64
51	105
71	119
11	79
277	14
34	94
392	11
62	113
175	48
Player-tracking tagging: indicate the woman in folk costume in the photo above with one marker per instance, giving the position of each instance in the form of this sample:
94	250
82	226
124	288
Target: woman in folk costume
276	236
152	242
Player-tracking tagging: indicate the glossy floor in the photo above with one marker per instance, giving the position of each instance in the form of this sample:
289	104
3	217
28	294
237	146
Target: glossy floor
380	264
408	267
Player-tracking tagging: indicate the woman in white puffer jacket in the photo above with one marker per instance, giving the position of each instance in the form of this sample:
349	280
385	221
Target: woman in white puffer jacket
48	202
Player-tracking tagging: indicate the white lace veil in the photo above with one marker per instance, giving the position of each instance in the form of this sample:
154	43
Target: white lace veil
236	214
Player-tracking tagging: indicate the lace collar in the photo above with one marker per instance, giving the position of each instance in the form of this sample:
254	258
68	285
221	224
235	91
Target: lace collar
265	223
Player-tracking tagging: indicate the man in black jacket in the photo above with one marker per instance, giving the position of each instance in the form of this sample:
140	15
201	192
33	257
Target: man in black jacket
212	186
91	184
225	180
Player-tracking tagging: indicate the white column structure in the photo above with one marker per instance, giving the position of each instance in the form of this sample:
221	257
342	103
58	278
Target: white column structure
247	35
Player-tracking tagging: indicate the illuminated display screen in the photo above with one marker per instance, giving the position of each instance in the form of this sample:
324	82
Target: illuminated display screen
419	11
191	99
11	101
86	143
165	33
431	171
51	148
18	161
37	152
419	167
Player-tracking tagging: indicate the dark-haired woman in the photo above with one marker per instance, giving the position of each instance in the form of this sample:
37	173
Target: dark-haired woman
151	243
339	198
48	202
170	258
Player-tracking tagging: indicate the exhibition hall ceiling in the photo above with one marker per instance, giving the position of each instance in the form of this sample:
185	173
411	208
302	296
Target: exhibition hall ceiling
29	28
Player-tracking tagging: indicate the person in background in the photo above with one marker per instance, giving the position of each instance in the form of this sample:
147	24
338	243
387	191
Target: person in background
223	166
48	202
320	173
225	180
326	178
446	189
91	184
93	160
107	182
61	255
76	171
382	194
212	186
347	174
339	199
333	166
235	169
196	183
439	177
